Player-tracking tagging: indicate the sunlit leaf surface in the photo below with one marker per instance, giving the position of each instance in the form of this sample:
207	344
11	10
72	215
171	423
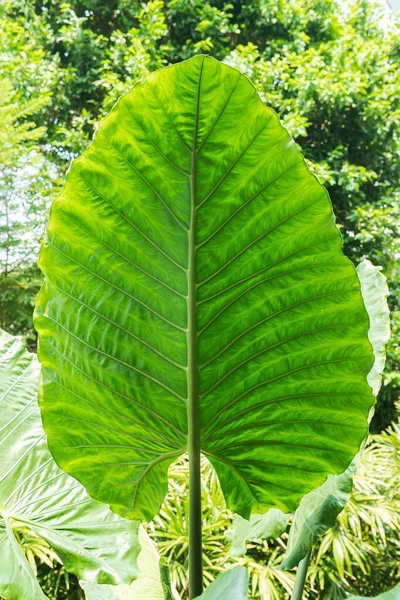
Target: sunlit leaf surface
191	261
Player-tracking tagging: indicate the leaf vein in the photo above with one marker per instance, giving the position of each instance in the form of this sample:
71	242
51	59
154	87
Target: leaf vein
267	403
131	223
155	145
135	402
170	119
302	368
220	115
258	323
147	182
277	262
97	406
246	203
135	337
127	260
265	350
117	360
259	238
122	291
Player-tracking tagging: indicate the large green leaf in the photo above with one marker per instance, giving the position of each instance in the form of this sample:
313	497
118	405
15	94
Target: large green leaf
393	594
195	281
91	540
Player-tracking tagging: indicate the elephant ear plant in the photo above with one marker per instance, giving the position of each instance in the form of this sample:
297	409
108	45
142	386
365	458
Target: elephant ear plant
197	300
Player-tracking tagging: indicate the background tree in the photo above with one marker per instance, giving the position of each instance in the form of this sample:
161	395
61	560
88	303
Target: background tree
28	179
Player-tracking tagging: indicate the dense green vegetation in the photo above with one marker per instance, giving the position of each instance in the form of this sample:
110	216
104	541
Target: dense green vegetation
329	69
331	72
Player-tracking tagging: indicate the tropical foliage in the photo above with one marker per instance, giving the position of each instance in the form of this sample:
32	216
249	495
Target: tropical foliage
359	555
155	336
329	68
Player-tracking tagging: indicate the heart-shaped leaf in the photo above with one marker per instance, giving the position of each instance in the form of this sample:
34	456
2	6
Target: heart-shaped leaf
91	540
196	290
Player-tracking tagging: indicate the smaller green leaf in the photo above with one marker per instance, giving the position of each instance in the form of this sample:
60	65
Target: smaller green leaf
91	541
315	514
153	583
231	585
374	291
393	594
260	527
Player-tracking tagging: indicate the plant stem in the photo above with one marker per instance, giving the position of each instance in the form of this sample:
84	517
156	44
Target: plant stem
195	522
301	577
195	514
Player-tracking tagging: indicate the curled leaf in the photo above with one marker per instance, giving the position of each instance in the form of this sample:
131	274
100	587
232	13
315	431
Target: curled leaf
259	527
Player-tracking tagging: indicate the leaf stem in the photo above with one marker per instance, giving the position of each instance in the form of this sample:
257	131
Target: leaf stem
195	514
301	577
